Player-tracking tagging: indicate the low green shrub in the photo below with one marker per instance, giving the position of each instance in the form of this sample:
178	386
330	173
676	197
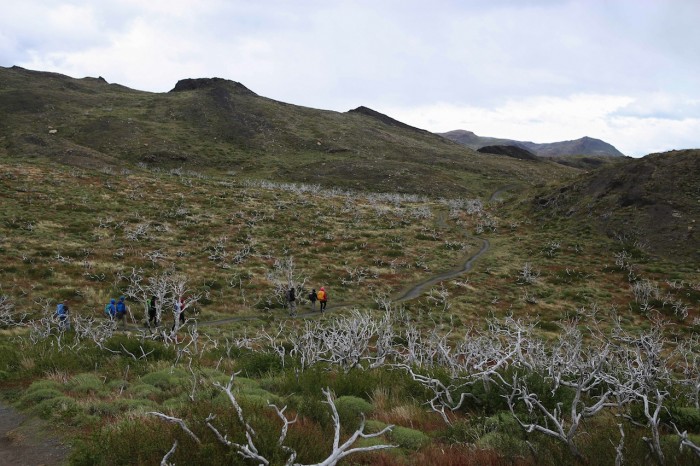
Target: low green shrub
373	426
505	444
167	379
350	409
36	396
144	390
686	418
9	359
313	409
410	439
156	351
60	408
256	364
86	383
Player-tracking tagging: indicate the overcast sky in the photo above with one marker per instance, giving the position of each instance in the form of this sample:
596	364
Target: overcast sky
627	72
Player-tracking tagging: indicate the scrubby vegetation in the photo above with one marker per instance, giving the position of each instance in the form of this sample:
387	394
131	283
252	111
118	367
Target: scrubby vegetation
560	345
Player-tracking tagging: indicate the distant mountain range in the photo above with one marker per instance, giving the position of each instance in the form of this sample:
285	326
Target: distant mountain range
584	146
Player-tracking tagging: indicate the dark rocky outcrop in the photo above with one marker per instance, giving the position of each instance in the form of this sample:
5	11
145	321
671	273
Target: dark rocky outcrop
209	83
510	151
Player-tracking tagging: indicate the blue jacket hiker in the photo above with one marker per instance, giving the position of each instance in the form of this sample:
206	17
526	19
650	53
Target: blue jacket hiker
62	315
111	309
121	311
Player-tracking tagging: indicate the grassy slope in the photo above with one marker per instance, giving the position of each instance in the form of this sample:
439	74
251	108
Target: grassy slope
65	233
225	126
652	201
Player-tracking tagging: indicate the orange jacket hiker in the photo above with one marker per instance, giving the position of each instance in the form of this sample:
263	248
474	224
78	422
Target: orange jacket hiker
322	298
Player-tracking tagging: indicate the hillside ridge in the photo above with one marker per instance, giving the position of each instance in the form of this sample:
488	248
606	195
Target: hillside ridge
582	146
218	124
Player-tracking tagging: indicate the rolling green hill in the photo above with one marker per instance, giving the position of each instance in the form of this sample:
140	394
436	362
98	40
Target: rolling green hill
653	201
214	124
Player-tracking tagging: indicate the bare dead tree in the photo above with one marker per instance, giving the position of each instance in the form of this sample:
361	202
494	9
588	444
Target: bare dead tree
164	461
341	451
527	275
685	442
141	289
178	421
644	375
284	276
183	298
8	316
251	452
689	365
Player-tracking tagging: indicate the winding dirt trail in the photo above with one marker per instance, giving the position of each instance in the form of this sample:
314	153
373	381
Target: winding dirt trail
407	294
412	292
415	290
27	441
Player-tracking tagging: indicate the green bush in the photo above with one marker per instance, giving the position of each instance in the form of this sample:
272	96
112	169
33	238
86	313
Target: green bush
373	426
61	408
167	379
156	351
33	397
176	403
144	390
116	385
313	409
502	422
504	443
85	383
350	409
9	358
410	439
686	418
256	364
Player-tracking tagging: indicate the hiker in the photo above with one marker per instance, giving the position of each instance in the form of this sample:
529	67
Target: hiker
152	318
313	297
121	311
292	301
111	309
322	296
179	312
62	315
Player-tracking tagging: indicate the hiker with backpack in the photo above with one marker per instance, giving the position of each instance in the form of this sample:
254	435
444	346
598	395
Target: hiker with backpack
111	309
179	314
62	315
292	301
322	298
121	311
313	297
152	315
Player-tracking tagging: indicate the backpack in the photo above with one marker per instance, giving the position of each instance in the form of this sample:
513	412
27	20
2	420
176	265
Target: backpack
108	309
59	310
